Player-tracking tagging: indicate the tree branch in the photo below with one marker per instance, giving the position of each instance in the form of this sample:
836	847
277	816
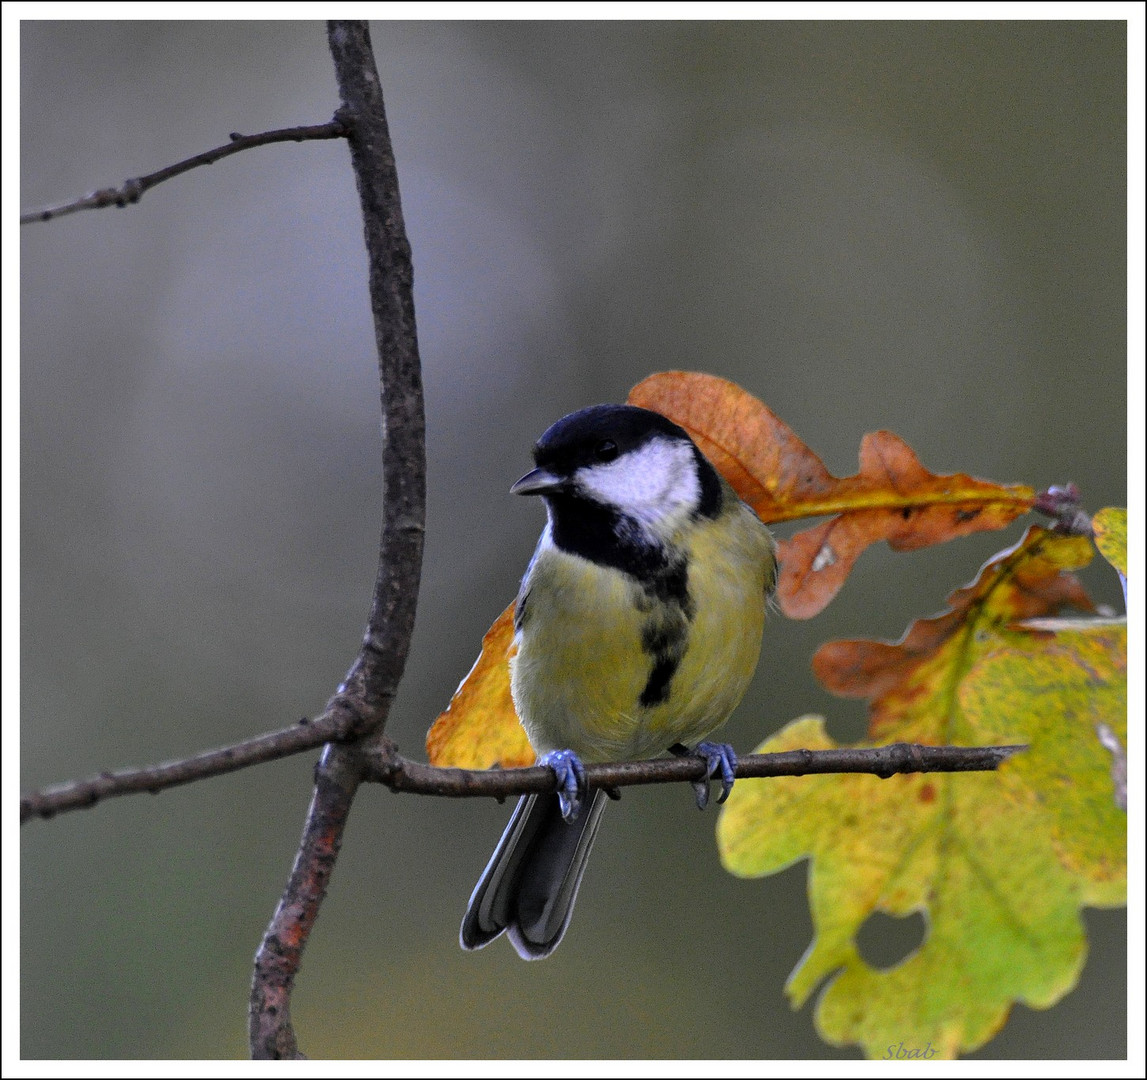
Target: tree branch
131	191
277	963
334	725
387	766
384	765
1062	503
370	684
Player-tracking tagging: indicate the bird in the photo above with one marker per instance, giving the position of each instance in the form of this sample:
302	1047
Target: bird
637	630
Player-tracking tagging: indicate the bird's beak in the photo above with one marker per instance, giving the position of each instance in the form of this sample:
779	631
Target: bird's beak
538	482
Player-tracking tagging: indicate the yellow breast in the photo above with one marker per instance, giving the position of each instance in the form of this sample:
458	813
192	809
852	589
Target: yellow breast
584	659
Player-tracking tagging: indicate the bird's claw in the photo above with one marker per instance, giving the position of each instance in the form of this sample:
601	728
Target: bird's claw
720	759
570	774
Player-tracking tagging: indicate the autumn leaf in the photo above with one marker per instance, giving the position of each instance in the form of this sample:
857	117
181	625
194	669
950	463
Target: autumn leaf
480	729
1024	582
1080	665
893	497
1110	526
999	863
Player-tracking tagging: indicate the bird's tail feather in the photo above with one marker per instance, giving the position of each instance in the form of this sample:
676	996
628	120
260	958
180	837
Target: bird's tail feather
529	887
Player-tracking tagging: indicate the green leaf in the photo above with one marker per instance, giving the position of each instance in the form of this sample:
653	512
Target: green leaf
1110	526
999	863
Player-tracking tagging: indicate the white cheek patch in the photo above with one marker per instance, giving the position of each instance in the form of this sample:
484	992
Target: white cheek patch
656	484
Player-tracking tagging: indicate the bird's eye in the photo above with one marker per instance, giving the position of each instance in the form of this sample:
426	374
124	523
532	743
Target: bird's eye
606	450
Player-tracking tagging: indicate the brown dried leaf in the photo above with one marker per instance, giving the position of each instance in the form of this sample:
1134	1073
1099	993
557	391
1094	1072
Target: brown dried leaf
893	497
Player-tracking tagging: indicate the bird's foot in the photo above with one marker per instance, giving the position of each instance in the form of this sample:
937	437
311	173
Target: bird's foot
570	774
721	760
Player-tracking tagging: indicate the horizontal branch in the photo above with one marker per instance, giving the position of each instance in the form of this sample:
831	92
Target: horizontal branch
334	725
131	191
387	766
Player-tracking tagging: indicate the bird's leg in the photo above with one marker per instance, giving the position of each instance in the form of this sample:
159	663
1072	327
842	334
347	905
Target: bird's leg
720	758
570	774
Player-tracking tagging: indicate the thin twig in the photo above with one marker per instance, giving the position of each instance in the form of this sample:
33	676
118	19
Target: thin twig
1062	503
334	725
388	767
131	191
370	685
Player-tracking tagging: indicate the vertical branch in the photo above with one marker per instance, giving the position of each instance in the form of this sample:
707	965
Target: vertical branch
373	678
369	687
271	1033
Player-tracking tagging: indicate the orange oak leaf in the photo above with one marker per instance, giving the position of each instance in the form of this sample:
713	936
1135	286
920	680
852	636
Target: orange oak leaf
893	497
480	729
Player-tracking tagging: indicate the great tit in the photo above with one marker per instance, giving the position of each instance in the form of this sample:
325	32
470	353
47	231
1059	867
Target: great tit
637	628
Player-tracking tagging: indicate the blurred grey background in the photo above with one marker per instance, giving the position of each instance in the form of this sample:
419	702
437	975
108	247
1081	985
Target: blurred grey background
915	226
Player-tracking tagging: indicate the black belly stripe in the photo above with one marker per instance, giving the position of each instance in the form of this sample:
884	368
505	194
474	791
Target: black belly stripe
665	635
657	688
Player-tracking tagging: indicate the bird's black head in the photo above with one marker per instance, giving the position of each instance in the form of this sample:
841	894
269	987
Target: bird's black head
599	435
619	472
